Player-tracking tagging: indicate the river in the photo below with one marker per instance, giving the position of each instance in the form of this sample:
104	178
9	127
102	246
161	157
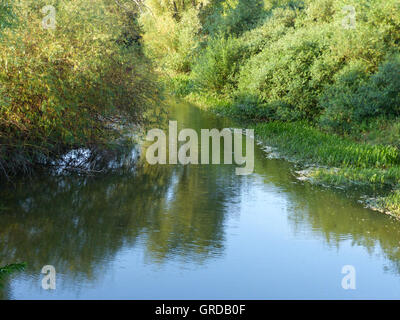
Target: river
195	232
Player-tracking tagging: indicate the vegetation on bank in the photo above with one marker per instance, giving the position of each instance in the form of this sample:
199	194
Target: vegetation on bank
8	269
68	87
11	268
320	79
339	161
316	146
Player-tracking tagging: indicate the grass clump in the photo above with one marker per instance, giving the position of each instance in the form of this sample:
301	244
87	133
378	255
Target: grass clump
299	139
373	177
390	203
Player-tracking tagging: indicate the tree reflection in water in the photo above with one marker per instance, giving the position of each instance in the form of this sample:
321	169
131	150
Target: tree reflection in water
81	223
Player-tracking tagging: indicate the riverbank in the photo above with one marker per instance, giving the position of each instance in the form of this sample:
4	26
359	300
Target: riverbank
340	162
328	159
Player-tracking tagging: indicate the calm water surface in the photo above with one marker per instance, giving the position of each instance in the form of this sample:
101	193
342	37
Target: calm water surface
195	232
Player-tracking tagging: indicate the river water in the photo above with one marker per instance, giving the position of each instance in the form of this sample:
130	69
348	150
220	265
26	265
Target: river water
195	232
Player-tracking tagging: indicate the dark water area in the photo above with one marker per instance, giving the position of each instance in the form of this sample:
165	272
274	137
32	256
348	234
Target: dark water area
194	232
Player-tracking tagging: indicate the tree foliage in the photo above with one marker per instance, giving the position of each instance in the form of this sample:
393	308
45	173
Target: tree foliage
63	88
294	60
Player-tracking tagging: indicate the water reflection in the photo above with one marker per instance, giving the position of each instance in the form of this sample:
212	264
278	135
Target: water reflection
333	215
81	224
78	223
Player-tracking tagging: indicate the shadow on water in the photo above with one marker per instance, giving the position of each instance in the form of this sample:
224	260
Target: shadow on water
79	224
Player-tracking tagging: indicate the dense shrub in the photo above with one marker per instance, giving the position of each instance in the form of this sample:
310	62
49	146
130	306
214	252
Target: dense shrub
339	99
309	50
171	42
217	67
282	73
180	85
293	60
7	15
274	26
63	88
234	17
355	97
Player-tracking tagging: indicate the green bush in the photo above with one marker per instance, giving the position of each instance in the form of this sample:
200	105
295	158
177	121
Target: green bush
356	97
303	58
282	73
171	42
7	15
234	17
291	60
338	99
63	88
180	85
217	67
275	25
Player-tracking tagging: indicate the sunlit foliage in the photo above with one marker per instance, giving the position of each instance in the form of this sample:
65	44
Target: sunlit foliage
65	87
290	60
